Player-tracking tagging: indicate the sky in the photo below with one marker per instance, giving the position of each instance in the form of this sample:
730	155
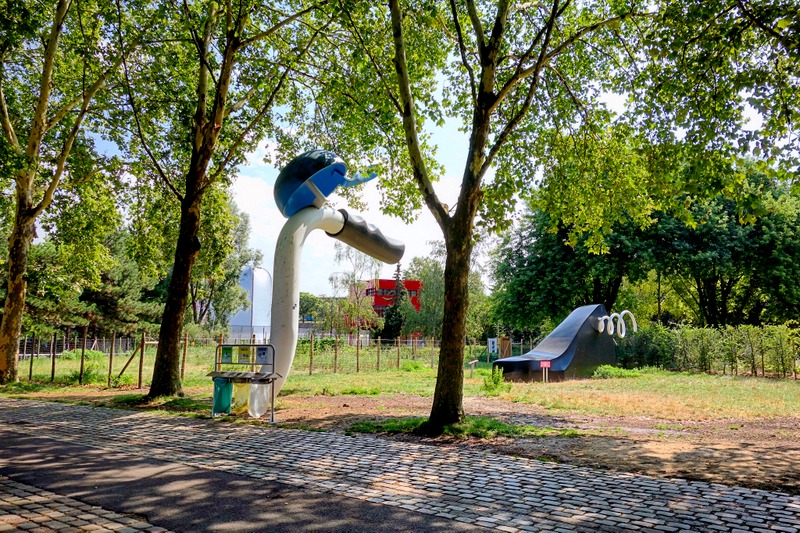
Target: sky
253	193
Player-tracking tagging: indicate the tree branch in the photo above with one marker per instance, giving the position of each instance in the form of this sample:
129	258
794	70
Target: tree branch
39	125
591	28
265	108
8	128
546	31
410	124
752	17
266	33
463	50
514	122
136	118
375	64
476	26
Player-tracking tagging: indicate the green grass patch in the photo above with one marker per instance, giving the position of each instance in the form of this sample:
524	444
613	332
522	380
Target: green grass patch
481	427
666	395
412	366
361	391
609	372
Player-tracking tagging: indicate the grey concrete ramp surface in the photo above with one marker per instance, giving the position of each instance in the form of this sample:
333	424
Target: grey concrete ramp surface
288	474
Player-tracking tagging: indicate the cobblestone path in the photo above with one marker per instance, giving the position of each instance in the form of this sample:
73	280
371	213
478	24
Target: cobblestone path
30	509
495	491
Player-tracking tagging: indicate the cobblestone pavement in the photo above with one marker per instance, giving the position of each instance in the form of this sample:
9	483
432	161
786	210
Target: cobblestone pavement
495	491
26	508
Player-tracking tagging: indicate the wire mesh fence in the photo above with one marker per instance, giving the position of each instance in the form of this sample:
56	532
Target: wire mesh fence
128	361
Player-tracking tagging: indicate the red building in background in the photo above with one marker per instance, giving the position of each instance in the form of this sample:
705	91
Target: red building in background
382	293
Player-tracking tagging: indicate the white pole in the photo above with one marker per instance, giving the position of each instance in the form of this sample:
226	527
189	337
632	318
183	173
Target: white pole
286	287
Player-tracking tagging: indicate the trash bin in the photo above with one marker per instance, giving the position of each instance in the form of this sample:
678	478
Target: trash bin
259	398
223	393
241	395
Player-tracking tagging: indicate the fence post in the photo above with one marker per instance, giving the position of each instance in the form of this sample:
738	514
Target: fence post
141	361
414	348
310	353
433	360
397	343
83	354
183	360
335	351
53	359
378	363
111	358
358	348
30	367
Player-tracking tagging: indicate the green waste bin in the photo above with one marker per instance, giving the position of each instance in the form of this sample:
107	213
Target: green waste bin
223	392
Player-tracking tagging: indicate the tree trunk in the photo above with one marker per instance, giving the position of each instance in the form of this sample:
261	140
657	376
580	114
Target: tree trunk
449	393
19	244
167	370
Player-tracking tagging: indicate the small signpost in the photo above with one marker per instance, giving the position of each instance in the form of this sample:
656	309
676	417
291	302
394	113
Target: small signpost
545	366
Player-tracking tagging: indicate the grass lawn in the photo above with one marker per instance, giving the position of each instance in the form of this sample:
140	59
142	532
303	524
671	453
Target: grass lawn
651	393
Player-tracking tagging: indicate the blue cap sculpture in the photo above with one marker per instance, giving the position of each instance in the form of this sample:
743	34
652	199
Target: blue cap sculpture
309	179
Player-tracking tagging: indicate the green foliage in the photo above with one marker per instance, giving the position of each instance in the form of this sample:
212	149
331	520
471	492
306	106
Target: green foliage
611	372
472	427
309	305
412	366
75	355
750	51
215	292
735	350
494	384
361	391
357	305
92	374
539	276
651	345
428	320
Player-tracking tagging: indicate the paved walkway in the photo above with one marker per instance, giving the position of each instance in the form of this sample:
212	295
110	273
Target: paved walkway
463	487
27	508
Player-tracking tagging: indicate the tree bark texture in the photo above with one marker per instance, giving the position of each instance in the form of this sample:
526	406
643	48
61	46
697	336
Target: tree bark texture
19	244
448	395
167	371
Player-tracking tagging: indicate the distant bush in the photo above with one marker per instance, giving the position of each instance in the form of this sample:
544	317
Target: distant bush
75	355
741	349
609	372
412	366
494	384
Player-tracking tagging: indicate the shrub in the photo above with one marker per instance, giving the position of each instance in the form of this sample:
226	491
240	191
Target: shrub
610	372
652	345
91	374
494	384
412	366
75	355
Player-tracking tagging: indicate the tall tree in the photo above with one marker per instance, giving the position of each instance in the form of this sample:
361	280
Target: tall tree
539	276
200	98
54	60
517	70
215	293
428	320
735	264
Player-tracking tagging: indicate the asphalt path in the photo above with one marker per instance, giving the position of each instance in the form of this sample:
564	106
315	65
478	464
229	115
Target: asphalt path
187	499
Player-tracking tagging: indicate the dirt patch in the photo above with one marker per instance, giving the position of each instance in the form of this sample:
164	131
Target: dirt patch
756	453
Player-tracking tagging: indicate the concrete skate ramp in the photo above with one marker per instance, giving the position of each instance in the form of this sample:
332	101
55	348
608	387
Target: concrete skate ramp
575	349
